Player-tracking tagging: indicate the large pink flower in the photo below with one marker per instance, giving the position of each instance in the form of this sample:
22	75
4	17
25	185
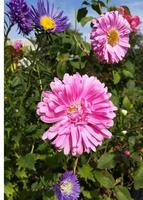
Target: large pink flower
81	111
110	37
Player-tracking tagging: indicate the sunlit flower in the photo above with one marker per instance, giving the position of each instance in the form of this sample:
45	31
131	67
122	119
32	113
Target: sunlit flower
47	19
134	21
68	187
20	14
110	37
81	110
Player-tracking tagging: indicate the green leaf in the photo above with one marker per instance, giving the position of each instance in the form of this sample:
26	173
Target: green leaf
122	193
61	69
86	172
97	7
27	161
87	194
126	103
116	77
107	160
138	178
85	20
9	189
16	81
128	74
86	3
104	178
82	12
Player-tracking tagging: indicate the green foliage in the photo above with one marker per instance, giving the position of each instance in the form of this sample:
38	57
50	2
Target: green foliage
138	178
122	193
105	179
107	160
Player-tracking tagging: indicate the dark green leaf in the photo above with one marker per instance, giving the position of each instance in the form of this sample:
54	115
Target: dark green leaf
82	12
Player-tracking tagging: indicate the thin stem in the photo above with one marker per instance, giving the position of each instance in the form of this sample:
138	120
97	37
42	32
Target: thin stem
40	81
81	46
75	165
6	34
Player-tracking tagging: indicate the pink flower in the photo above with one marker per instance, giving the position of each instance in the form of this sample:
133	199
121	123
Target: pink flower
127	153
18	46
81	111
134	21
110	37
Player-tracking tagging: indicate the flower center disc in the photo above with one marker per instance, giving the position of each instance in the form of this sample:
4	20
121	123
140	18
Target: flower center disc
47	23
72	108
66	187
113	37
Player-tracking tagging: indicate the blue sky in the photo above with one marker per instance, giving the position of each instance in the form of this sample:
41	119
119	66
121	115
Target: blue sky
69	7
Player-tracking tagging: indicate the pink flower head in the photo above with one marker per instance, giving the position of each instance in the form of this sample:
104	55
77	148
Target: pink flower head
18	46
134	21
110	37
81	111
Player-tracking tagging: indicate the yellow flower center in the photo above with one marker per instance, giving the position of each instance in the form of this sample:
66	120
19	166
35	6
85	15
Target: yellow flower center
113	37
72	108
47	23
66	187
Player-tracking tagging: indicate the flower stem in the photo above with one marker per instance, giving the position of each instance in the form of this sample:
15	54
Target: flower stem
75	165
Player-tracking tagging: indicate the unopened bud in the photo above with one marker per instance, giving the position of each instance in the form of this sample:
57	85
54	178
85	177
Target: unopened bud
124	132
124	112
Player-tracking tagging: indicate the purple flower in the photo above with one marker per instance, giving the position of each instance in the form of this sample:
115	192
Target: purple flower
68	187
20	14
47	19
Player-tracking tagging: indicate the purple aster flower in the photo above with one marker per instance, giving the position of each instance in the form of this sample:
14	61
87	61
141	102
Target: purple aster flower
47	19
68	187
20	14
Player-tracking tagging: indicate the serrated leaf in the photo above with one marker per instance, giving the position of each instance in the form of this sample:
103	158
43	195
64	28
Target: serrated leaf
122	193
116	77
107	160
9	189
104	178
82	12
86	172
27	161
138	178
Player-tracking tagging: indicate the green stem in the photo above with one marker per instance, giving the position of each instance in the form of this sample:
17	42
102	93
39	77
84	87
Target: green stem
75	165
6	34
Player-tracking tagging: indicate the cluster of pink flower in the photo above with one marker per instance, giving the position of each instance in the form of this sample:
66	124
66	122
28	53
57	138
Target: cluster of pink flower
80	106
110	34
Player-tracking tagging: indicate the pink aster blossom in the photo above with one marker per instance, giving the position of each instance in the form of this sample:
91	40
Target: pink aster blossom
110	37
134	21
81	113
18	46
127	153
